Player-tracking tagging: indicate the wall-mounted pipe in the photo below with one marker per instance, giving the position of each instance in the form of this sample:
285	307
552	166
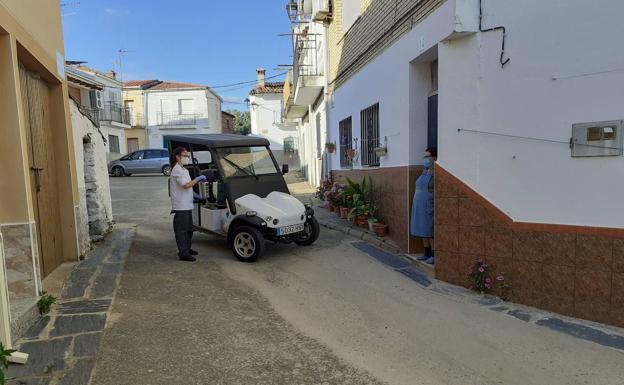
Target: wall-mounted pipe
503	61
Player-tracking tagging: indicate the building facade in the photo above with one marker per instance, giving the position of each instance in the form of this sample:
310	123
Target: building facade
517	115
265	112
133	99
306	89
114	117
40	206
180	108
227	122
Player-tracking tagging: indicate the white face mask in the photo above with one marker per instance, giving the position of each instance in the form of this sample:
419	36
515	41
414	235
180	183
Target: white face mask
185	161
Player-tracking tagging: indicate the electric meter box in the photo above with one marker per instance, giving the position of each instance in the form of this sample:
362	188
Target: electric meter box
597	139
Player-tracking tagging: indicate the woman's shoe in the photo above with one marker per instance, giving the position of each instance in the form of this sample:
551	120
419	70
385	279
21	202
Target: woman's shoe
193	252
188	259
430	261
422	258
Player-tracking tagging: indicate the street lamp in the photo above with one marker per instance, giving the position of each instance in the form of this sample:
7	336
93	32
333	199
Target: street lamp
292	9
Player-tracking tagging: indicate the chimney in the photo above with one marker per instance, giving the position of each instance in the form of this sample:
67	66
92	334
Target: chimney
261	77
112	74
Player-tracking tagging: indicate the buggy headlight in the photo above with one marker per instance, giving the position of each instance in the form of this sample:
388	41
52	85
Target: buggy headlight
268	219
275	221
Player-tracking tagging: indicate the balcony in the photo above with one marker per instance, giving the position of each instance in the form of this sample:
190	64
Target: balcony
308	71
93	114
175	120
321	10
291	110
115	113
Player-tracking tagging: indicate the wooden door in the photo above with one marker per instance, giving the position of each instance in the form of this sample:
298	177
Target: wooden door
36	105
132	145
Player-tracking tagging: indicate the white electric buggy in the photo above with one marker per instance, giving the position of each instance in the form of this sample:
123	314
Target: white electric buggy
245	198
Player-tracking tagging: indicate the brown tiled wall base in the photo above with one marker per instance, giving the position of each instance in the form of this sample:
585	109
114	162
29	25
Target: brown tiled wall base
394	189
571	270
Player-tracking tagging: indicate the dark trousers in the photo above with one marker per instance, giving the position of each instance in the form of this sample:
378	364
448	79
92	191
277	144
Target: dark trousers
183	230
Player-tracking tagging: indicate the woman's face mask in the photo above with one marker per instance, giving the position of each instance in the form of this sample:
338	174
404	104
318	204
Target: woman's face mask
186	160
427	163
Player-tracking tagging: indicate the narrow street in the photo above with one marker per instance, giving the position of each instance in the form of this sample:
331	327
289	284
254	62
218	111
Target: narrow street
326	314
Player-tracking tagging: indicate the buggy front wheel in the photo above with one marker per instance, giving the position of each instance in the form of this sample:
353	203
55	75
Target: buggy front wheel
311	232
247	244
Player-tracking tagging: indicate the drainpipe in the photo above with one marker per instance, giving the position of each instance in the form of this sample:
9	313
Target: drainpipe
327	161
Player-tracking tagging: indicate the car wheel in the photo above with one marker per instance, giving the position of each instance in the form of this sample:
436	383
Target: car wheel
311	233
118	171
247	244
166	170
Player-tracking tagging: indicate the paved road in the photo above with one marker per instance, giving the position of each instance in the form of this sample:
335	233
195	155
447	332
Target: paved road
327	314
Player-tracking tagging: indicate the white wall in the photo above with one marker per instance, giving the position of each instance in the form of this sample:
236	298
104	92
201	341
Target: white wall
96	180
536	181
206	106
387	80
265	120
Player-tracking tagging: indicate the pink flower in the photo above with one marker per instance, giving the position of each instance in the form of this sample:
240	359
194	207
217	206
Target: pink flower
500	278
488	280
481	269
488	286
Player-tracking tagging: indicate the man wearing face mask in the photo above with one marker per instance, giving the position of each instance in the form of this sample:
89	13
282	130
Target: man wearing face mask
181	191
422	207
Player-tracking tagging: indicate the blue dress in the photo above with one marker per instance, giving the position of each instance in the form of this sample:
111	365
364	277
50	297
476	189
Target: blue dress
422	207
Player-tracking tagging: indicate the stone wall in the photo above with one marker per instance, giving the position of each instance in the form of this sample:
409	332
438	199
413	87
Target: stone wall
572	270
95	208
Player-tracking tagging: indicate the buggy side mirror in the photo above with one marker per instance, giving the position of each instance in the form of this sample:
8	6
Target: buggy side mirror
284	169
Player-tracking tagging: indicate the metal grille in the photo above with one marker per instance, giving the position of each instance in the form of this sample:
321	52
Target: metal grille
369	120
346	141
113	144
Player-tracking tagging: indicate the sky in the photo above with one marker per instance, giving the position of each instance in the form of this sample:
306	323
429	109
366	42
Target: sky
207	42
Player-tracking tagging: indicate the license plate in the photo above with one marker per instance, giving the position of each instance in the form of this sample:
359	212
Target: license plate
290	229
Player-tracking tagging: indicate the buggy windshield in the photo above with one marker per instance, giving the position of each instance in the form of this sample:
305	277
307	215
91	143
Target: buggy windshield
246	161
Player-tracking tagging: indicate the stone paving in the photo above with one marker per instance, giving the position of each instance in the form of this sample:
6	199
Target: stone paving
63	344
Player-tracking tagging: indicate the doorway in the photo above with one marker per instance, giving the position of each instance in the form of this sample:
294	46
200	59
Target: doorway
44	185
132	145
432	121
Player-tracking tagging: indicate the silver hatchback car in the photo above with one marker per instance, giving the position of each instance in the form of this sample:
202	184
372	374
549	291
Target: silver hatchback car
141	162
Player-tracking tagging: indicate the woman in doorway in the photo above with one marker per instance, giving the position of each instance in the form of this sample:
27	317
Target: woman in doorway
181	191
423	207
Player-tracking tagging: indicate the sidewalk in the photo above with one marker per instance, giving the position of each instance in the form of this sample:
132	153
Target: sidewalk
62	345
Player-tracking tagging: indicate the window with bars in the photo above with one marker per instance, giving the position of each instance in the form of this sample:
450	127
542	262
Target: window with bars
113	144
369	122
346	141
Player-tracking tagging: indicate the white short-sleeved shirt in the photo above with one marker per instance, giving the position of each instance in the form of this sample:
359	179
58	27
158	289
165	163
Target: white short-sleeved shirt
181	198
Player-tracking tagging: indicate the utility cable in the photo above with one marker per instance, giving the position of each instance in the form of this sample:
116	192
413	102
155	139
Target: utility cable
246	82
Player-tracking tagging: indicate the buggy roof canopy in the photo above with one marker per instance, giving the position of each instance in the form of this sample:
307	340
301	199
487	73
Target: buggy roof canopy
218	140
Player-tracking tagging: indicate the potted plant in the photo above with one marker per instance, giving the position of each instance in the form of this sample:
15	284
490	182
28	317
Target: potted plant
351	154
331	147
380	229
371	222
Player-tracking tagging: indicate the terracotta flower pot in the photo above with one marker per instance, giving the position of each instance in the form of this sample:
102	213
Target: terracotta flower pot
380	229
331	149
362	221
344	212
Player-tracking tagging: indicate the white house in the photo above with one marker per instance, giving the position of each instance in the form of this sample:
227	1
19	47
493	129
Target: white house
524	102
265	110
306	88
180	108
114	118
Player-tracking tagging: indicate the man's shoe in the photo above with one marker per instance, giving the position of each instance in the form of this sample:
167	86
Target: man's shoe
422	258
193	252
188	259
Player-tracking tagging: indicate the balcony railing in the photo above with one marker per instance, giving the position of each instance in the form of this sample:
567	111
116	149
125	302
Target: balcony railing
93	114
175	119
306	56
115	113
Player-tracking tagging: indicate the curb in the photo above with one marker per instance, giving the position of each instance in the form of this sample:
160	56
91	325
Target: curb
362	235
